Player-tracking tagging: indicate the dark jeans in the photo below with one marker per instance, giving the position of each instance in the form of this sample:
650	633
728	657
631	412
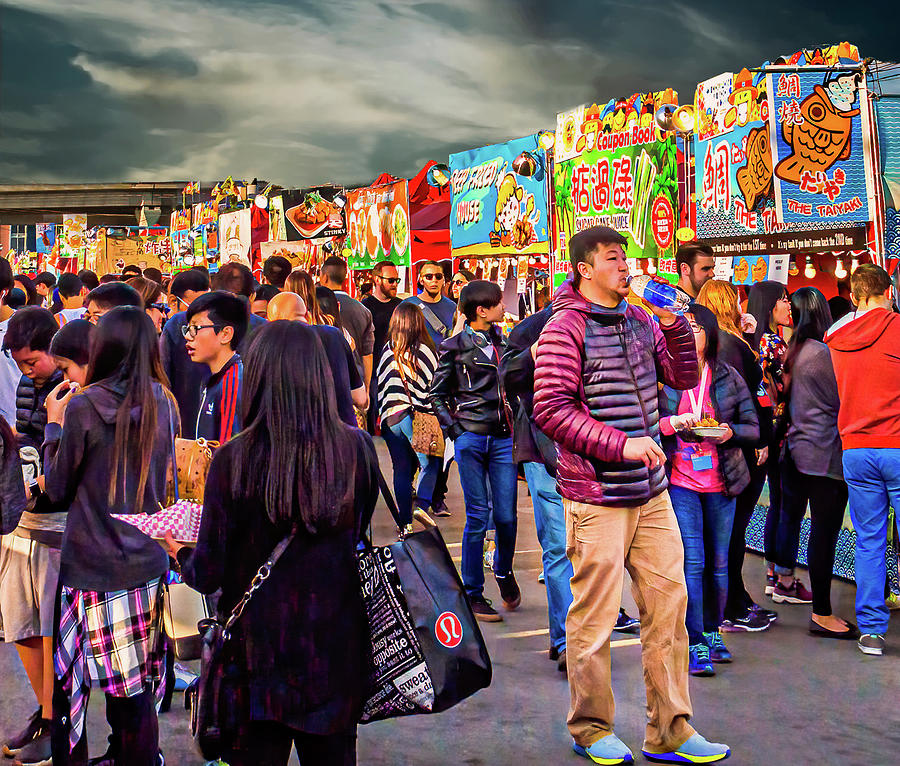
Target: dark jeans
486	468
739	600
404	462
269	744
827	500
704	520
773	517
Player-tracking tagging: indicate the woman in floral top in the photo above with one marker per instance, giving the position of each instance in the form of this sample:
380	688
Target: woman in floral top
771	307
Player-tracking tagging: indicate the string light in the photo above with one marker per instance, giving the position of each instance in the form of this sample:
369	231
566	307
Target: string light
854	264
810	271
839	270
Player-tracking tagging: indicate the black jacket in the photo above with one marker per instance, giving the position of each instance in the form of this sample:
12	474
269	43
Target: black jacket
31	415
12	491
530	444
738	354
301	646
466	391
731	404
100	553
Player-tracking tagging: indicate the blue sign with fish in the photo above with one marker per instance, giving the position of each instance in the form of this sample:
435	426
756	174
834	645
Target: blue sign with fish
819	133
496	210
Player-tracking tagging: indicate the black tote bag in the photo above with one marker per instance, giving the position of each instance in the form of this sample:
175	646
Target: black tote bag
428	653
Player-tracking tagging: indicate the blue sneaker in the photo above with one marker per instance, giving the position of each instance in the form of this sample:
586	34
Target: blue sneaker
718	652
695	750
608	750
700	663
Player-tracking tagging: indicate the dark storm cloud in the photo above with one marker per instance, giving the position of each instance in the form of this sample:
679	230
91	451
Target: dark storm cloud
341	90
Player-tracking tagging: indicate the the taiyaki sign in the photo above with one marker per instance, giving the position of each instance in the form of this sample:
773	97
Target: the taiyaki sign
614	167
818	123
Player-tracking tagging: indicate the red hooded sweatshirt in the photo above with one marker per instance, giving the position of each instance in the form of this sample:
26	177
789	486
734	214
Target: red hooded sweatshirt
865	352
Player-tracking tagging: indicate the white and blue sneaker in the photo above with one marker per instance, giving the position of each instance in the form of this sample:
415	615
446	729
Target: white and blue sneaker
695	750
608	750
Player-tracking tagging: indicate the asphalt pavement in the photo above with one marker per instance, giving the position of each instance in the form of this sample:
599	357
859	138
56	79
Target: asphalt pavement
787	698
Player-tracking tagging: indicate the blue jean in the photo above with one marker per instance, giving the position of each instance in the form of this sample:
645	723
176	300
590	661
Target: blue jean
429	466
873	480
550	521
705	520
486	466
405	461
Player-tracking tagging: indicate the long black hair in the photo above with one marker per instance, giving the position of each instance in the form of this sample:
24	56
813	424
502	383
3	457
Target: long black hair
125	353
30	290
296	452
812	318
761	303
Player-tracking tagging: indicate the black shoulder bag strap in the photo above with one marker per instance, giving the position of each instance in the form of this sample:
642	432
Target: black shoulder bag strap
436	324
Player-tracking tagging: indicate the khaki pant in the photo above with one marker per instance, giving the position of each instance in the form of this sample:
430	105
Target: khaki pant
601	542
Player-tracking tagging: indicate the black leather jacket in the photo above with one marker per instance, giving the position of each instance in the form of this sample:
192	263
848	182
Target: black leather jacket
467	392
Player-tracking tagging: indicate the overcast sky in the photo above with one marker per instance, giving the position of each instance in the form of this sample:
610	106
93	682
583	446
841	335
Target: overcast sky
310	91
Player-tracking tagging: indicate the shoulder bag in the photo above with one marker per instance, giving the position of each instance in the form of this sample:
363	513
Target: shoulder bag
427	436
215	698
436	324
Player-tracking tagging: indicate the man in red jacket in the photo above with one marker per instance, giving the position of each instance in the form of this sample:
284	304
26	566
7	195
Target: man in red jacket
598	364
865	352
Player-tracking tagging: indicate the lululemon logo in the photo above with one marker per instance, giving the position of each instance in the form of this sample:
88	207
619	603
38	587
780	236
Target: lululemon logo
448	630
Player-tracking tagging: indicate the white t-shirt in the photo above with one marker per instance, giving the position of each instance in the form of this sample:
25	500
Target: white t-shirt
67	315
10	375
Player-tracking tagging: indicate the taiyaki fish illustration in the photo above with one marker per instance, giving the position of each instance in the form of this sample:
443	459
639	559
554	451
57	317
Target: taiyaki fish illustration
821	140
755	178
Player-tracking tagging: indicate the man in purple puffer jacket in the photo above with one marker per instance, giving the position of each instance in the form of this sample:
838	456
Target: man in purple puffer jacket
598	364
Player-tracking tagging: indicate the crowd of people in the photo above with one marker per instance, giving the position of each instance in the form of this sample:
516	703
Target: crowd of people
645	438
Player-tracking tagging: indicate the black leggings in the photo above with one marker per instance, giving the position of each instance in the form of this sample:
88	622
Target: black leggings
739	600
267	743
827	500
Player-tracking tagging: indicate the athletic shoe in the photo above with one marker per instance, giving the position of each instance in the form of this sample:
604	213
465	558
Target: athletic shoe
183	677
793	594
892	601
700	663
440	510
541	579
770	614
36	753
33	729
871	643
695	750
483	610
561	665
750	623
553	654
608	750
509	591
718	652
626	624
771	581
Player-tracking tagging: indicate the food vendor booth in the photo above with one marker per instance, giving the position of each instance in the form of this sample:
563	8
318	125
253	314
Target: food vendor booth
499	223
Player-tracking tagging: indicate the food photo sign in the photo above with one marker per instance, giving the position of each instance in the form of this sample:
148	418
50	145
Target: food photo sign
614	167
378	223
314	213
493	208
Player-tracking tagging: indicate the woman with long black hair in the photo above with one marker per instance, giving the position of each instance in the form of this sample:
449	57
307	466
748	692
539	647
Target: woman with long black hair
770	306
404	377
107	448
811	462
295	469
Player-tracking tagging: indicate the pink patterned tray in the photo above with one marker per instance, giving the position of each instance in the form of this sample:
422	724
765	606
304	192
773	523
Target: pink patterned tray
182	518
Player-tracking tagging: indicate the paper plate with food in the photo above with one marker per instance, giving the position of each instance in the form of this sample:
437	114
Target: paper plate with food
709	428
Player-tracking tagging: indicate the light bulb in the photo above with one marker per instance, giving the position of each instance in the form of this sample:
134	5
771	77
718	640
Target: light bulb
810	271
839	271
854	264
651	266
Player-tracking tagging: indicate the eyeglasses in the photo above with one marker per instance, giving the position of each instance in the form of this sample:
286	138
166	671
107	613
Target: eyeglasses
189	331
163	308
390	280
437	277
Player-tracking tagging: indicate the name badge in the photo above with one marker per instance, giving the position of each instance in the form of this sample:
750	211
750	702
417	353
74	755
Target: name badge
702	462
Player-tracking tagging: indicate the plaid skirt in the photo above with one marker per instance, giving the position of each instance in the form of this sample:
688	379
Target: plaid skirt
111	640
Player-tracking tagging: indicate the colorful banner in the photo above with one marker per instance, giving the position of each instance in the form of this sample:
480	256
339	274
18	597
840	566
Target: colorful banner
735	207
74	231
819	137
379	225
301	254
45	238
493	209
313	213
235	236
203	213
180	220
277	230
620	171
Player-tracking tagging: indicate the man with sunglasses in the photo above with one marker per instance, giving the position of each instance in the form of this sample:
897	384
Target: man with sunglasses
436	307
381	304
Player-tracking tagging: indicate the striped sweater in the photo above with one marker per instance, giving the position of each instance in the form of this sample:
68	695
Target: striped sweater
393	402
